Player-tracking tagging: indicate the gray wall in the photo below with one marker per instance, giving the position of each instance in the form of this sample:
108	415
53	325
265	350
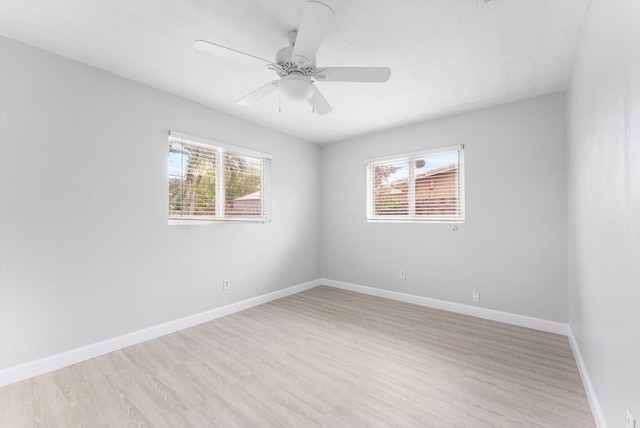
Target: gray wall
512	247
604	204
86	252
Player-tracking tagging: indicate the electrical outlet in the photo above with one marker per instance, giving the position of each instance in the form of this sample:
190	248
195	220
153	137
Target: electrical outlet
225	284
475	296
631	421
403	274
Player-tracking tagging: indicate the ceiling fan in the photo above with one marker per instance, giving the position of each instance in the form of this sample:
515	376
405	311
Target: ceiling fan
296	64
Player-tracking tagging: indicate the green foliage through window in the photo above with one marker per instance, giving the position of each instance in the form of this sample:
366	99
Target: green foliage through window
213	183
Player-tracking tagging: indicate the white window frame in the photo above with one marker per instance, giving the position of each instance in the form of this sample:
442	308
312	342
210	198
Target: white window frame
411	216
222	148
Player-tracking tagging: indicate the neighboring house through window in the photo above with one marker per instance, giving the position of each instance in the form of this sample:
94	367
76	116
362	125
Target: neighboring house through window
425	186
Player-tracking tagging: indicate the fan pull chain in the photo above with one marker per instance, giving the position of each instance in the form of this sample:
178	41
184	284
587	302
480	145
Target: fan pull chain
313	104
279	104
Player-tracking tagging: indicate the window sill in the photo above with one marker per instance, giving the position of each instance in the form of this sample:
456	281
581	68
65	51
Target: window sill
196	222
434	221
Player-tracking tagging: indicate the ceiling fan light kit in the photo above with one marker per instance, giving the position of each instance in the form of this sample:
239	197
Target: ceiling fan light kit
296	87
296	64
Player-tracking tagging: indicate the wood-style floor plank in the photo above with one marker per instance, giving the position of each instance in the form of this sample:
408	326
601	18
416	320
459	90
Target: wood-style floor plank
321	358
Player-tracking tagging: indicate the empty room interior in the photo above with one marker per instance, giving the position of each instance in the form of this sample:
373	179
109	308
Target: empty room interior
333	213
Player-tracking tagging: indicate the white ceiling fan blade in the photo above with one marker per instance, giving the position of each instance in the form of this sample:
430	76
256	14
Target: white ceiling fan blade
319	103
353	74
225	52
315	20
259	94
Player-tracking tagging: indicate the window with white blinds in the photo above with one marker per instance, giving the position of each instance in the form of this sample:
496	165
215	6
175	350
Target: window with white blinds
424	186
211	181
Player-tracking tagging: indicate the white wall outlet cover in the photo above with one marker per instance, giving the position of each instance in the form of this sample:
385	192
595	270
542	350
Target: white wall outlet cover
475	296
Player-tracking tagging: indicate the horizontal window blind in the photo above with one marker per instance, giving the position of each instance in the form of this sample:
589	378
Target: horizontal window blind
423	186
213	183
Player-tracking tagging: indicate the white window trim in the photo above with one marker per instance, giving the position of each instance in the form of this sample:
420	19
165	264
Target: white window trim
411	218
265	187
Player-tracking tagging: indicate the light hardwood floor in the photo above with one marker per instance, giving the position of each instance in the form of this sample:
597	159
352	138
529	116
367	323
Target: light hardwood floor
324	357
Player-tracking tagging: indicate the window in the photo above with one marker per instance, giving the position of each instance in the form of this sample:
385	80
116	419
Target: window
417	187
211	181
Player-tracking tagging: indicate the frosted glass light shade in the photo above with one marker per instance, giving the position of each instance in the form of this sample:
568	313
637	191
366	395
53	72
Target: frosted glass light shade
296	87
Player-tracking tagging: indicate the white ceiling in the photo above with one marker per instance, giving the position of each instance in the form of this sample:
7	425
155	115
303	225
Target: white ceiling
446	56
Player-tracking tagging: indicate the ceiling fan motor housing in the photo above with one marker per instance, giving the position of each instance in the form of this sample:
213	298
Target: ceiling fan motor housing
287	64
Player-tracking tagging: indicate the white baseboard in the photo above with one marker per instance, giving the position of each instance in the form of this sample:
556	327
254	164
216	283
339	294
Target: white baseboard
34	368
596	410
490	314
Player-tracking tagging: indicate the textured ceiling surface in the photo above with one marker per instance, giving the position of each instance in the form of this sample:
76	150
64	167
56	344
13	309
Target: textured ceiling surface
446	56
